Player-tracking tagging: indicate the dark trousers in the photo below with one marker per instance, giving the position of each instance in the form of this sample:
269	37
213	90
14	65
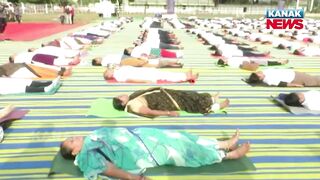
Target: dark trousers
3	24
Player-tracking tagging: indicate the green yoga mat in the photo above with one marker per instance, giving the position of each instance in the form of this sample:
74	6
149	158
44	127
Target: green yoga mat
61	165
103	108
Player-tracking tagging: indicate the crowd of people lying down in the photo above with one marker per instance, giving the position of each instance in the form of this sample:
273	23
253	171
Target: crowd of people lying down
52	60
228	39
102	152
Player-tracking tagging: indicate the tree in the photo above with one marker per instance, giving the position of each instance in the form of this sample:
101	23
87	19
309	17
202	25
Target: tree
14	1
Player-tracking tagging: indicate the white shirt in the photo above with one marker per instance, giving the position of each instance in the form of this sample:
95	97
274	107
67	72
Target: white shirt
138	51
312	100
124	73
236	62
274	76
310	51
57	51
13	85
24	57
111	59
70	43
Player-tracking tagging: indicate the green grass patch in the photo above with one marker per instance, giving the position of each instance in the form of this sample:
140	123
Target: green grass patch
78	18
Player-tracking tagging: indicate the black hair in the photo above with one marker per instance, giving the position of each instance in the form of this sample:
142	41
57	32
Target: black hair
66	152
221	62
117	104
11	60
254	78
95	63
214	48
292	99
281	46
126	52
29	50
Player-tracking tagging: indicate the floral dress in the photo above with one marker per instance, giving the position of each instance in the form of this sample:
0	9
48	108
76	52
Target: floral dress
142	148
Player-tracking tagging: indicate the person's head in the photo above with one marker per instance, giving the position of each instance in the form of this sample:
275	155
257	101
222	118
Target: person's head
96	61
281	46
294	99
120	102
70	147
127	51
137	43
108	74
222	62
256	77
31	49
11	58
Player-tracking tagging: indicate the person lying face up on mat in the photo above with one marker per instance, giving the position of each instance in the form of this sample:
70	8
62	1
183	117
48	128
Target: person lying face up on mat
309	100
250	64
29	57
16	86
129	74
284	78
32	71
124	60
125	154
167	102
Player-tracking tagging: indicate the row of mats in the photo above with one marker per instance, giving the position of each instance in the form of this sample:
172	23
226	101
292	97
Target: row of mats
284	146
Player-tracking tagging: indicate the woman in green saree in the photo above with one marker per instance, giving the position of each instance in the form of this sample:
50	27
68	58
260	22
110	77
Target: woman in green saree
125	154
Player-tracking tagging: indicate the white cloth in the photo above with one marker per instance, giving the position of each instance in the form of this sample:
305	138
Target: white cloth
236	62
138	51
125	73
312	100
274	76
111	59
57	51
24	73
310	51
24	57
61	61
13	86
70	43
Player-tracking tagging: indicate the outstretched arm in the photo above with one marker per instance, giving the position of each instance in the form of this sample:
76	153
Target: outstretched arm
294	85
284	84
115	172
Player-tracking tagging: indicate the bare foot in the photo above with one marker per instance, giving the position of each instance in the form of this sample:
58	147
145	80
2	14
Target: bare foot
67	72
195	76
225	104
284	61
267	53
189	74
231	144
239	152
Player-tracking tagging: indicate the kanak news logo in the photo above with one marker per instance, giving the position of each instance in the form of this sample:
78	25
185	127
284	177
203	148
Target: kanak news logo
284	19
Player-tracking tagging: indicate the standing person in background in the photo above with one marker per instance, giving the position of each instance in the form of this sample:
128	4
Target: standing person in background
72	13
17	13
67	14
3	20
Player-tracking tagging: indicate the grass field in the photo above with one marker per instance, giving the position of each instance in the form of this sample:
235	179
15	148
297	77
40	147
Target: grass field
80	17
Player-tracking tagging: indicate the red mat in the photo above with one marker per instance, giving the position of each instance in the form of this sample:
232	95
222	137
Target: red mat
33	31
